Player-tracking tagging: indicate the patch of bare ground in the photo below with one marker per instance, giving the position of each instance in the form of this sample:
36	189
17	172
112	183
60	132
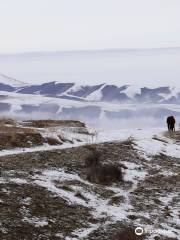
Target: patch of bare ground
118	231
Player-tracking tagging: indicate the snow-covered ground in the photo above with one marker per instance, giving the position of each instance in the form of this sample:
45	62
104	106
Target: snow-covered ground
148	141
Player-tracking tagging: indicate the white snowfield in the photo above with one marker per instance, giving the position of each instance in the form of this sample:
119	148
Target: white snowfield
16	100
149	141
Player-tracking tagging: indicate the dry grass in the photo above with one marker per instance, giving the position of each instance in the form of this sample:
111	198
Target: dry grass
14	134
8	121
53	141
173	135
20	140
53	123
14	129
101	173
116	200
18	137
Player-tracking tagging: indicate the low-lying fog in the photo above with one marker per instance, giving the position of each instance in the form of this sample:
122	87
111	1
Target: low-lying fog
104	123
153	67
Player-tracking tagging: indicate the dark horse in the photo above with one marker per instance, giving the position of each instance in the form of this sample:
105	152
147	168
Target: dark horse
171	123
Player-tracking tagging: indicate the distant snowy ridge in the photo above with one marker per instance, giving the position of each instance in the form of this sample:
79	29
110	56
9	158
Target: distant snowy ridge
6	80
87	92
89	102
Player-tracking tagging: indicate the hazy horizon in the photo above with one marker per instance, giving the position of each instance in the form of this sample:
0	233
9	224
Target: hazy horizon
145	67
88	50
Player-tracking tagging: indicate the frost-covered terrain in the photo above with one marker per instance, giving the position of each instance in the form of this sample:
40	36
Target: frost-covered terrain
74	208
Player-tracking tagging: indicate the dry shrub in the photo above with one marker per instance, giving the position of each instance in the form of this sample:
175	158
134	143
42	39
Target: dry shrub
53	141
101	173
116	200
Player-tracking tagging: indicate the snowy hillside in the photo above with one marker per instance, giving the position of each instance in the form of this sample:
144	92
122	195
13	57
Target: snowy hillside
95	93
73	207
11	82
36	106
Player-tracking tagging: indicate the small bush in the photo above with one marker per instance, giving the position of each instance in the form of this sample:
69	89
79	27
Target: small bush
101	173
53	141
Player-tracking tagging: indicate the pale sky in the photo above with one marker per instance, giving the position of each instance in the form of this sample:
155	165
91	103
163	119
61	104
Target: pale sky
60	25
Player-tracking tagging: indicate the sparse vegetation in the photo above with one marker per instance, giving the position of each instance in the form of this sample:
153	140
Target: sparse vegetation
107	210
53	141
17	137
80	195
174	135
18	134
63	139
7	121
21	196
53	123
101	173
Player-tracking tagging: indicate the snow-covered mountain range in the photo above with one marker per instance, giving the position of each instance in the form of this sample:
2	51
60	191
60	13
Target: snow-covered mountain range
91	85
87	102
92	93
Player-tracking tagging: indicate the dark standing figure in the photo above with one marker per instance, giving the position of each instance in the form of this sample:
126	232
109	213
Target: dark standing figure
171	123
